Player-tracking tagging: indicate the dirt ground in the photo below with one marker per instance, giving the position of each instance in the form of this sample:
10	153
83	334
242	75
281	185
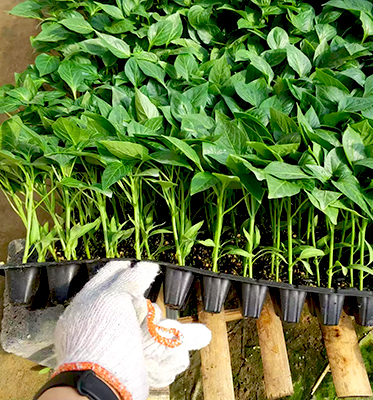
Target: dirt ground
19	378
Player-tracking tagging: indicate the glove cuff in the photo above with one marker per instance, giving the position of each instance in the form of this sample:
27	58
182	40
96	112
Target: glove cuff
99	371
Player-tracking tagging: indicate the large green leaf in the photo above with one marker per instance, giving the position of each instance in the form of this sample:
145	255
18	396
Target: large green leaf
202	181
165	31
278	188
116	46
277	38
298	61
77	25
126	150
186	149
353	145
52	32
283	170
114	172
46	64
145	109
254	92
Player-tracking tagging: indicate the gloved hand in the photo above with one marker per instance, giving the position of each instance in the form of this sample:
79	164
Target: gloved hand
110	328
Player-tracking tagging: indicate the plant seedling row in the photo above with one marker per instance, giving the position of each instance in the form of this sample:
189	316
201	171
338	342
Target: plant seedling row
64	279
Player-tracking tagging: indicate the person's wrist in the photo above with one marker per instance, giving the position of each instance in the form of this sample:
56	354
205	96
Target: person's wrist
62	393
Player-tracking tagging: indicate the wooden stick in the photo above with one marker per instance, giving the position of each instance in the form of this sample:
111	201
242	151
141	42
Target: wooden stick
346	362
215	358
229	315
276	369
160	393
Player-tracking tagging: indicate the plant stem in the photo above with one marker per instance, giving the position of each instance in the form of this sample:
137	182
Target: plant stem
352	249
30	211
218	227
248	263
290	241
313	233
272	212
331	254
362	251
136	217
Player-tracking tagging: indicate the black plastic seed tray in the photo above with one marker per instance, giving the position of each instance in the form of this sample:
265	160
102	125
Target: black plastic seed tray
42	284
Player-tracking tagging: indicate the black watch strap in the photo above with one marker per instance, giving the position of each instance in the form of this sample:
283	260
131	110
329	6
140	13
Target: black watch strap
85	382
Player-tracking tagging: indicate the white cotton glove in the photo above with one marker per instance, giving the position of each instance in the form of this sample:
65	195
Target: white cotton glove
111	328
101	327
165	361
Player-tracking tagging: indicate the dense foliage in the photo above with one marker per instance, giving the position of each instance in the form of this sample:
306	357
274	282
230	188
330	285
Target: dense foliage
244	127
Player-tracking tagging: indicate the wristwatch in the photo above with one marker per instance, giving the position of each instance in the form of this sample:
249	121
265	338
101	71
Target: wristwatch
85	382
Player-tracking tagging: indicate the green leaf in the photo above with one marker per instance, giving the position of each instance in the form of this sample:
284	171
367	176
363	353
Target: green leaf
254	92
69	131
186	66
152	70
238	252
46	64
126	150
202	181
52	32
307	266
277	38
298	61
113	11
77	25
133	72
114	172
350	187
362	268
261	64
329	80
220	72
186	149
282	170
351	5
278	188
116	46
145	109
207	243
79	231
75	74
353	145
27	9
311	252
170	158
282	122
165	31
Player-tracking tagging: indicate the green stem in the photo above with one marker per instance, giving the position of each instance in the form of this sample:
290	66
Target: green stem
362	251
272	212
30	211
136	218
248	263
278	236
218	228
352	248
290	241
344	229
331	254
313	233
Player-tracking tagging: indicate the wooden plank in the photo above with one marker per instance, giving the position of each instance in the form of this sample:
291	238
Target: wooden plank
160	393
346	362
229	315
215	358
276	369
